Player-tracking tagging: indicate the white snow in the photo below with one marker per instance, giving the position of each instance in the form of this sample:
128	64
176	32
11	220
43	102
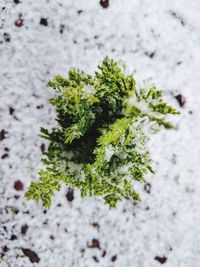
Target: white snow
89	89
109	152
158	40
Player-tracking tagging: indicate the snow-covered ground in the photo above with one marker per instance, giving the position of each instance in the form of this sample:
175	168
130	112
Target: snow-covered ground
157	39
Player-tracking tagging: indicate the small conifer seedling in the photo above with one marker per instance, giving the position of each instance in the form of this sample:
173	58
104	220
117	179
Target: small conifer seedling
99	146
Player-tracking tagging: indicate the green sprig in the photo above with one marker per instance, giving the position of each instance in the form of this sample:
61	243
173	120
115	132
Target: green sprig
99	147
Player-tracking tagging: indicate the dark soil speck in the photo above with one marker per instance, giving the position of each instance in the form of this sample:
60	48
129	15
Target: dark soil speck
114	258
95	258
24	229
42	147
13	237
70	194
147	188
104	253
96	225
33	257
162	260
61	30
6	37
80	11
5	249
19	22
44	22
181	100
104	3
11	110
40	106
18	185
178	17
94	244
2	255
150	54
16	2
3	134
4	156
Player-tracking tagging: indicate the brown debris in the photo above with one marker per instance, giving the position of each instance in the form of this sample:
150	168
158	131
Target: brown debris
18	185
104	3
33	257
94	244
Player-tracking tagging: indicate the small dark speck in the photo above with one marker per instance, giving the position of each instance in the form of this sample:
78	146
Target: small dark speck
5	249
11	110
13	237
19	22
40	106
3	134
147	188
24	229
173	213
44	22
174	14
180	99
150	54
95	258
2	255
35	95
70	194
16	2
113	258
104	253
3	8
162	260
18	185
190	112
51	237
42	147
80	11
6	37
82	250
179	63
4	156
94	244
61	30
33	257
6	149
96	225
189	190
104	3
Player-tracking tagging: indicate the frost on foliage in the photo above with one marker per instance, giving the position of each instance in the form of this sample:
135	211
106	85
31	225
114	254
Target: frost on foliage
100	144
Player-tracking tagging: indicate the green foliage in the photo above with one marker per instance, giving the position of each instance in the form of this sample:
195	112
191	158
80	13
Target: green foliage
99	147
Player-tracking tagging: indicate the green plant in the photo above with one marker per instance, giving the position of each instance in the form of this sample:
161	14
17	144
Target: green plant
99	146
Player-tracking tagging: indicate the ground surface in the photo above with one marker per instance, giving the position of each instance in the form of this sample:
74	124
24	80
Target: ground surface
158	40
